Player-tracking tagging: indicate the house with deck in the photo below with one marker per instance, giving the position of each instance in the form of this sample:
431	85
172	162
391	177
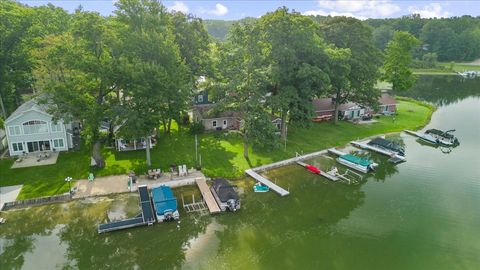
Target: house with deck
30	128
324	108
125	144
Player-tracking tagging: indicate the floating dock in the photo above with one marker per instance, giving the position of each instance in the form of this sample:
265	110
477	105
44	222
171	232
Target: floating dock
146	217
207	196
266	182
395	158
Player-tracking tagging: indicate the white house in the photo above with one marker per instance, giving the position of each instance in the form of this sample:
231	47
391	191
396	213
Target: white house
31	129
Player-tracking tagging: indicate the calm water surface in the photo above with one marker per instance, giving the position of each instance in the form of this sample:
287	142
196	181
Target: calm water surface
422	214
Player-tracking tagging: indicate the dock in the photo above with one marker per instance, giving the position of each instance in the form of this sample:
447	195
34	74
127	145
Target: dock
266	182
207	196
336	152
146	217
395	158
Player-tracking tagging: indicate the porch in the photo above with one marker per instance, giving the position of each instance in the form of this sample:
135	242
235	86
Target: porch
129	145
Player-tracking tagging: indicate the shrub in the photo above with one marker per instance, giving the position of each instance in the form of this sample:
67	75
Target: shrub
196	128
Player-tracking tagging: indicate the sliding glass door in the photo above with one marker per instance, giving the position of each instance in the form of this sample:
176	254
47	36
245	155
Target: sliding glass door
38	146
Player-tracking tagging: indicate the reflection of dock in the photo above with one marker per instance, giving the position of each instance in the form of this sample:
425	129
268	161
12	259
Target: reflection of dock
267	182
394	157
207	196
146	217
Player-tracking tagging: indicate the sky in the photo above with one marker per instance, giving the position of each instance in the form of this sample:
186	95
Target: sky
237	9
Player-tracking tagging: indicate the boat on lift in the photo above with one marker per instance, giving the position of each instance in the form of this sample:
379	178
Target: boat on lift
225	195
354	162
329	175
445	138
424	137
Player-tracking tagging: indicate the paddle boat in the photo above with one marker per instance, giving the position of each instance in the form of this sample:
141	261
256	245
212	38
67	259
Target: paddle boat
259	187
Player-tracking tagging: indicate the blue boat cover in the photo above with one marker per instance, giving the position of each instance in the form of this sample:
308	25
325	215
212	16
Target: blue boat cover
356	160
164	200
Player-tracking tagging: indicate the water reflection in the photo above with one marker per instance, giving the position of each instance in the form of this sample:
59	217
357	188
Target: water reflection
444	90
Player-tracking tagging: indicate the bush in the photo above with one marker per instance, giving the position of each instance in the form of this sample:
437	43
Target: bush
196	128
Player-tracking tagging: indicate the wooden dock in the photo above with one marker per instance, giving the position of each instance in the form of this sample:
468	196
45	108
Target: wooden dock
336	152
267	182
207	196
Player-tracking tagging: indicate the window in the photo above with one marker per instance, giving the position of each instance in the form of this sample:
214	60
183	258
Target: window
56	127
34	127
385	108
200	98
58	143
17	147
214	123
14	130
224	122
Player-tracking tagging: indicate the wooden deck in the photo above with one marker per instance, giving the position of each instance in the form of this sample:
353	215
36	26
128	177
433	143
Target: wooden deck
267	182
207	196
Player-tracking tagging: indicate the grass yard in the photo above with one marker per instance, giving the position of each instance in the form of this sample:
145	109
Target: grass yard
221	153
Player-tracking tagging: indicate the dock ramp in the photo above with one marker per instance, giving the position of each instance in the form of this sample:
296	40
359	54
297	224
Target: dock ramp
207	196
266	182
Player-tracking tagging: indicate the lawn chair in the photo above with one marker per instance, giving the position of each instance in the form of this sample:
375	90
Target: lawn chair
185	169
90	177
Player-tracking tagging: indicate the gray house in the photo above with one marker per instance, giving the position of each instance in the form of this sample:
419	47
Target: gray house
31	129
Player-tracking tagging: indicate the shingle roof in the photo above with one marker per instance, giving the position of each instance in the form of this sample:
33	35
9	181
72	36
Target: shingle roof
326	104
386	99
207	112
27	106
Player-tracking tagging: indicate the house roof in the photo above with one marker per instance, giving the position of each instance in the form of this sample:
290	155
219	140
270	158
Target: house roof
207	112
386	99
28	106
326	104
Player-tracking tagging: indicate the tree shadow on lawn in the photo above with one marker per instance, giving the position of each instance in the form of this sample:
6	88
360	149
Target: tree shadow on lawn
217	160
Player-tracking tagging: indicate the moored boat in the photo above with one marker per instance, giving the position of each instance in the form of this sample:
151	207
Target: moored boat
357	163
388	145
165	204
445	138
225	195
259	187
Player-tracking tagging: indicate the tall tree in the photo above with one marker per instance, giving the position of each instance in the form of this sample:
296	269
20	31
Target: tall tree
75	70
364	61
156	83
243	80
295	63
397	60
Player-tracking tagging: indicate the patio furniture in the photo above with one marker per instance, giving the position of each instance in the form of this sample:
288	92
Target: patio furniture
152	174
91	177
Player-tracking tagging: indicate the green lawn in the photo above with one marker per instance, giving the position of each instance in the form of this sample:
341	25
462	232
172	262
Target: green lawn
221	153
443	69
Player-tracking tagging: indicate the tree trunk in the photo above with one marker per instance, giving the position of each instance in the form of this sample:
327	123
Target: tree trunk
97	154
164	127
4	113
149	161
283	132
169	125
245	146
337	103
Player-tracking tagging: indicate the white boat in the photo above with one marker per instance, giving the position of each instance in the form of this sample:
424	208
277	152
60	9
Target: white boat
445	138
424	137
354	162
469	74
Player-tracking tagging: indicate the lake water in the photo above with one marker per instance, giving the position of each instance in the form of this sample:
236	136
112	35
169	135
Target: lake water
422	214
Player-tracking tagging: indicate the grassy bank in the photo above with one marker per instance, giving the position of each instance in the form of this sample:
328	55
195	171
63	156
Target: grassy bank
221	153
446	69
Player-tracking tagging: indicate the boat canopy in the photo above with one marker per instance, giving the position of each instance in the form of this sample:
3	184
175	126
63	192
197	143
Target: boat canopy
164	200
224	190
387	144
356	160
440	133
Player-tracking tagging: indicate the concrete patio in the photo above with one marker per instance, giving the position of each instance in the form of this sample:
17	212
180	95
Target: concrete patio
36	159
119	183
9	194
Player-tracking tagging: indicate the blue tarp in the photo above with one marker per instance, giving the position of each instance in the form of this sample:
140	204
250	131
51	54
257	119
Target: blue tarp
164	200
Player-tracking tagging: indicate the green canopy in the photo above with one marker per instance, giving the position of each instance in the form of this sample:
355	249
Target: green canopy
356	160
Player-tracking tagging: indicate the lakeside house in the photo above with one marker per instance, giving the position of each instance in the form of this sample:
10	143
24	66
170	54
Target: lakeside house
324	108
215	120
30	128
